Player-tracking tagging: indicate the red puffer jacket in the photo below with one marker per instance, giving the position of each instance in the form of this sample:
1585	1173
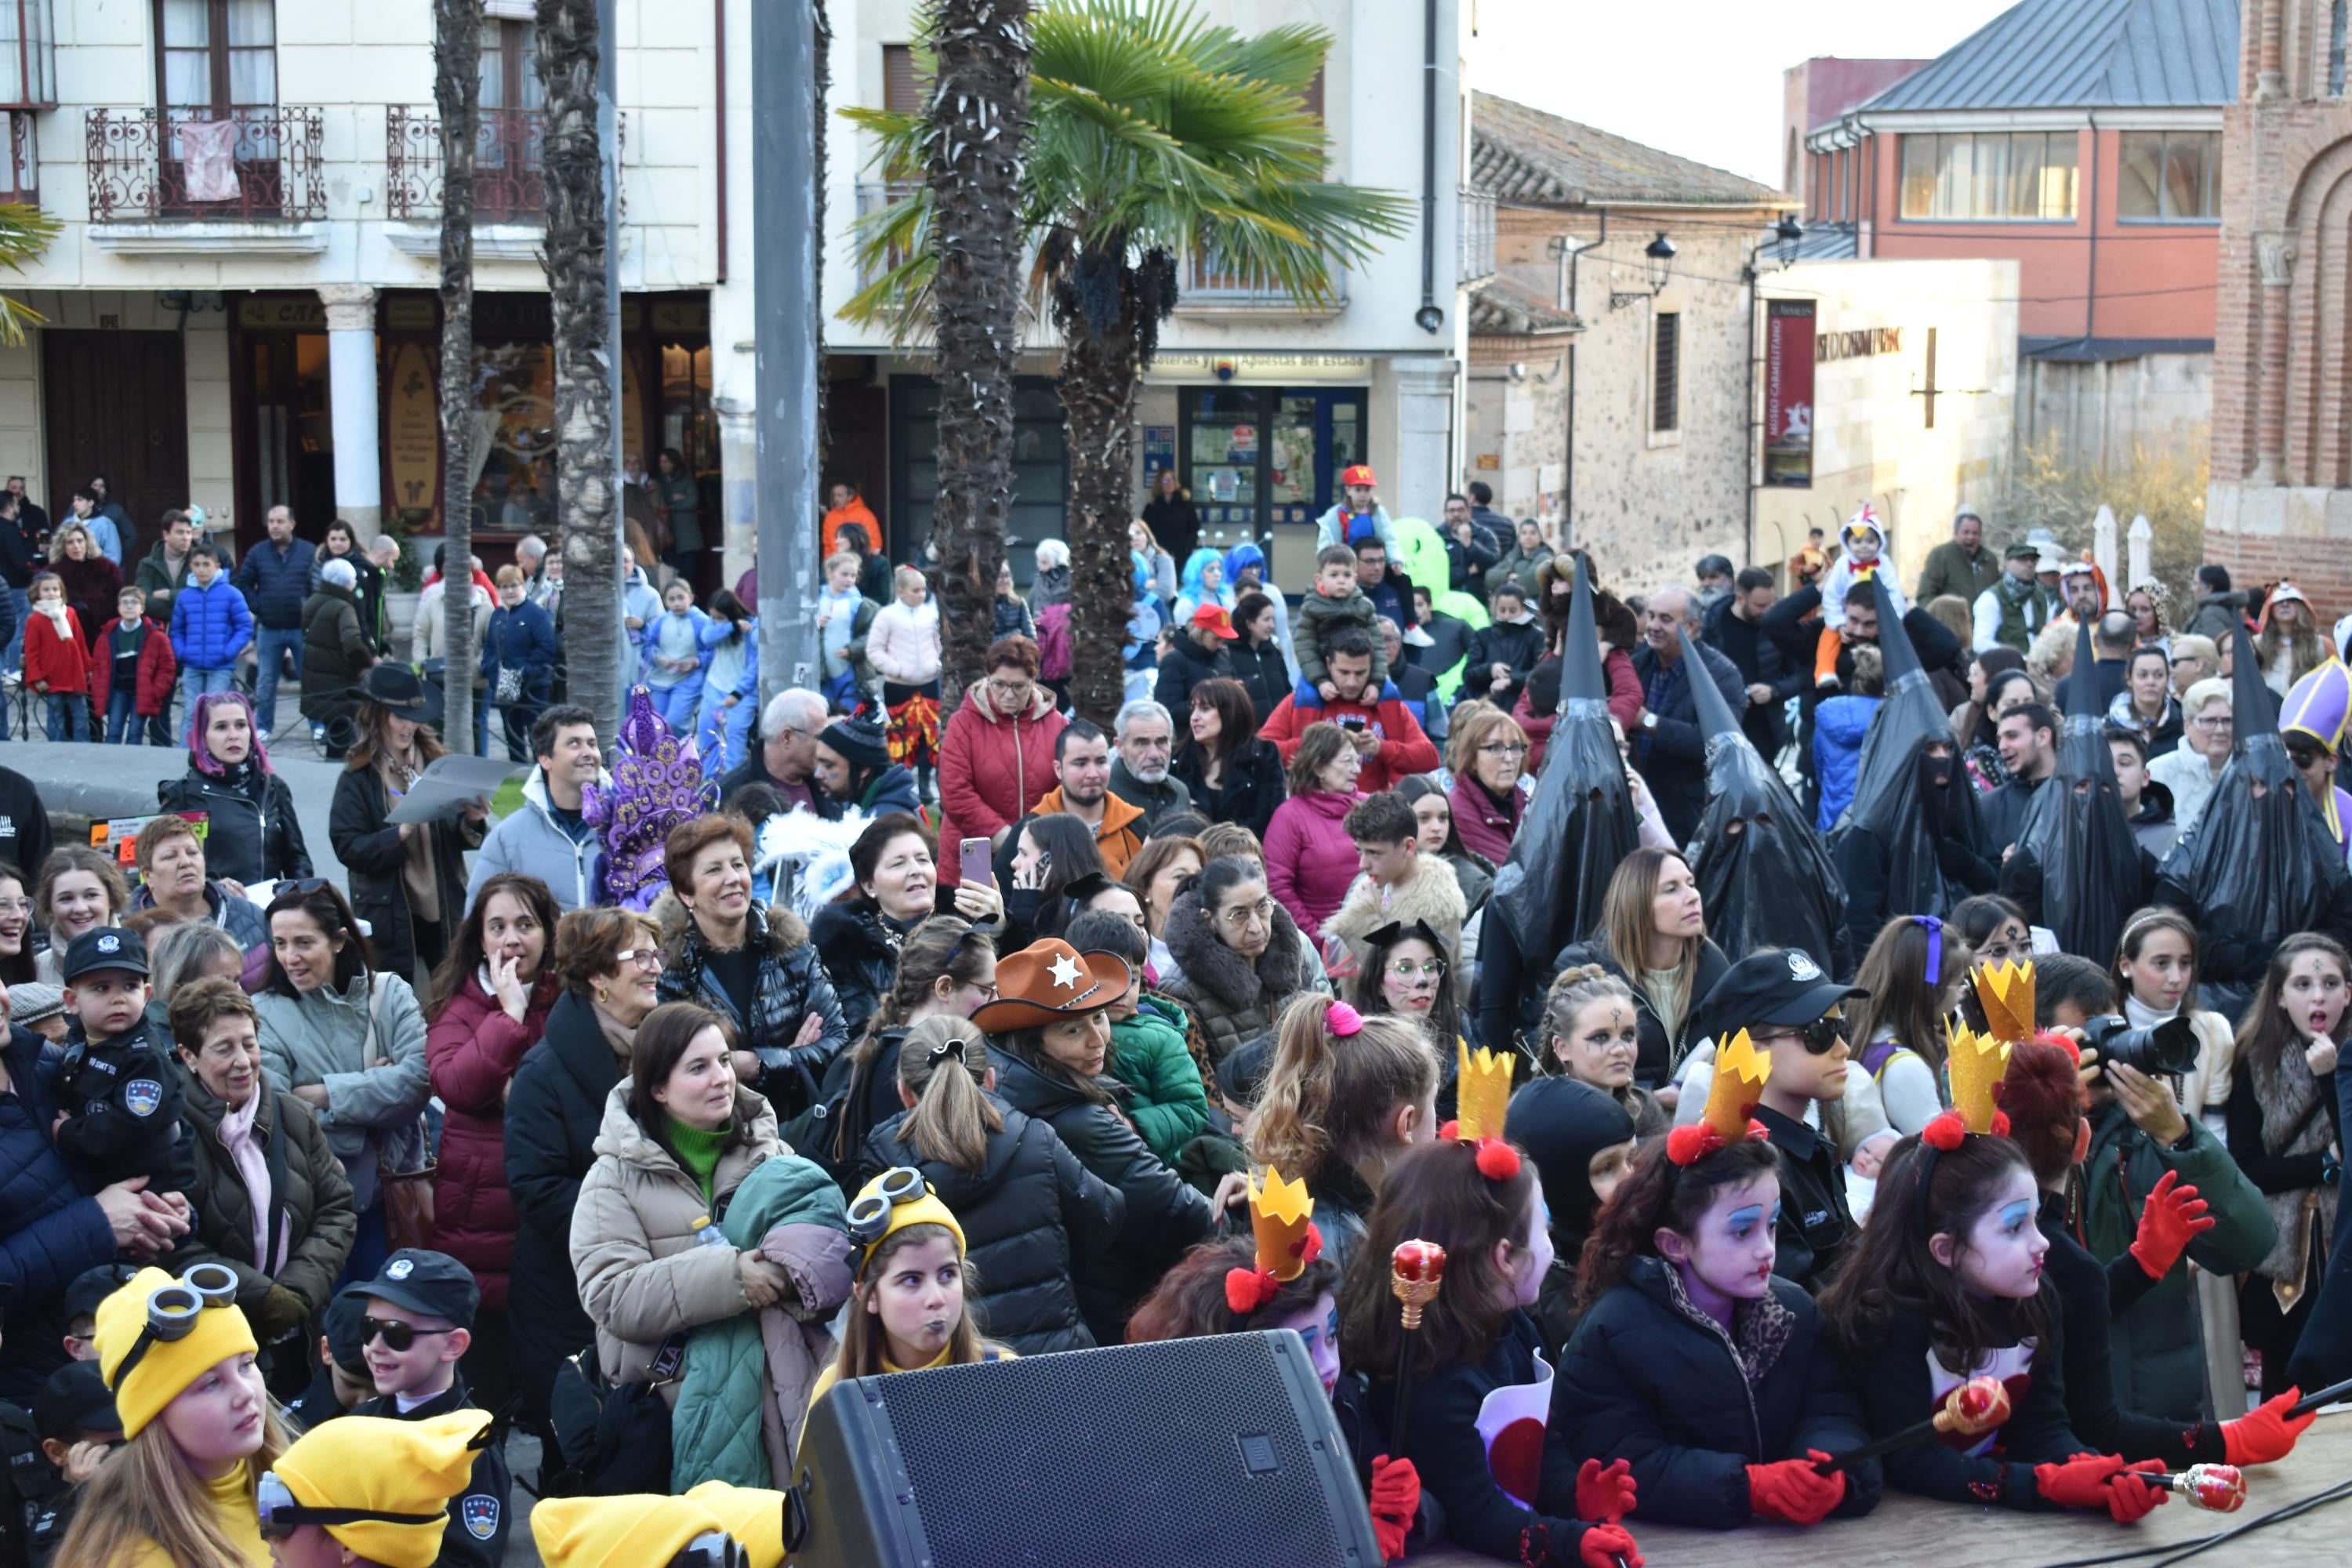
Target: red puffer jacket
472	1050
991	770
157	670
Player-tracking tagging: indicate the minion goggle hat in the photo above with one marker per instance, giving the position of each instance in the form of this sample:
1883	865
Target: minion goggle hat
281	1515
173	1312
157	1335
891	1202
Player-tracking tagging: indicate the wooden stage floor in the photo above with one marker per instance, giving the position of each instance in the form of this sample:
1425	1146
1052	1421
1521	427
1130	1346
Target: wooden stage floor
1915	1534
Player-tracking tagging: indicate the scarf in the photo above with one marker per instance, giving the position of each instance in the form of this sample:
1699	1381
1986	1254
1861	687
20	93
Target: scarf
236	1136
2289	1096
622	1037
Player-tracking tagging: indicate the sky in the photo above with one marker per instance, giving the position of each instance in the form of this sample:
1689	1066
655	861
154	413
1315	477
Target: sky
1611	64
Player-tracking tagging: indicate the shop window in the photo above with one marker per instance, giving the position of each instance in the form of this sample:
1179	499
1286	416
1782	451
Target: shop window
2170	175
2021	176
1666	374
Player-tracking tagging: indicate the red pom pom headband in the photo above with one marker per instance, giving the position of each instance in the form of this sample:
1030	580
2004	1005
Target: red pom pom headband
1686	1146
1942	1136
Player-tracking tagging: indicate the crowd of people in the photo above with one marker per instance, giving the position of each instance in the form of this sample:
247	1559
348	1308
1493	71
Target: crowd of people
1890	990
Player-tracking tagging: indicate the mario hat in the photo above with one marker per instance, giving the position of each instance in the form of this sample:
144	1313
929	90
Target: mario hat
616	1531
753	1516
411	1468
1358	474
1048	981
1216	619
162	1368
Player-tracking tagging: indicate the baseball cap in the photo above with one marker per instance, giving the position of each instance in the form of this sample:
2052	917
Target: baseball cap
1771	986
424	1282
75	1399
1216	619
94	1285
2023	549
1358	474
345	1324
107	947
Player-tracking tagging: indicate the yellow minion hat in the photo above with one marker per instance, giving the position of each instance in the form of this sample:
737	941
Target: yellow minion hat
637	1531
1482	1090
1281	1216
166	1366
388	1467
2005	992
755	1518
927	1209
1976	1064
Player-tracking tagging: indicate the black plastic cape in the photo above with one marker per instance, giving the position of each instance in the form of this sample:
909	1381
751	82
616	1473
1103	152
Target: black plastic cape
2258	864
1577	827
2077	832
1905	809
1763	874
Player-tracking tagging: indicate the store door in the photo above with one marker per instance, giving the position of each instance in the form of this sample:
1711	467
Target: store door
1262	463
292	433
116	403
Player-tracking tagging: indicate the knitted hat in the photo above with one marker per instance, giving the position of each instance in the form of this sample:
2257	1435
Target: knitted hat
857	741
31	1003
616	1531
754	1517
898	1197
388	1467
169	1366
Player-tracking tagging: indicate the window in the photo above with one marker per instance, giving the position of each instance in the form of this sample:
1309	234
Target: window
904	90
1666	373
2021	177
216	54
28	55
2169	174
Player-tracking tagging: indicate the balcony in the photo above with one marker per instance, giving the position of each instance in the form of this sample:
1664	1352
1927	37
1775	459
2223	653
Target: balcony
872	197
139	168
1474	237
21	182
1215	288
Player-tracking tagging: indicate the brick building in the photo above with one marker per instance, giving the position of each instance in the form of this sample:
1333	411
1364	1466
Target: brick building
2280	503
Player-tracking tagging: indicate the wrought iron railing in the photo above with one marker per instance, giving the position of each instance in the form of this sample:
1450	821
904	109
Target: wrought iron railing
1475	236
138	168
21	181
1211	278
510	163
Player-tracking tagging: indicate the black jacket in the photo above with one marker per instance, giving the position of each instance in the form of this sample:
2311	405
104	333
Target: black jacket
1032	1205
1175	522
1187	665
122	1100
1253	783
553	1110
1816	1227
858	946
2000	815
1657	1056
790	984
1861	860
1651	1379
24	825
1899	1393
1519	645
1263	672
1757	658
50	1230
337	646
251	835
1164	1216
374	861
479	1519
1670	755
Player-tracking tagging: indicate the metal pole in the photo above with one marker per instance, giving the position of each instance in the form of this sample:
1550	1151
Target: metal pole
608	142
784	296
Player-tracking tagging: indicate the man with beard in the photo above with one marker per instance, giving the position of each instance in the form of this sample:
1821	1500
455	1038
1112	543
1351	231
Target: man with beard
1763	874
2028	737
1669	751
1082	769
1580	825
2076	868
2259	865
1139	773
2012	611
1908	844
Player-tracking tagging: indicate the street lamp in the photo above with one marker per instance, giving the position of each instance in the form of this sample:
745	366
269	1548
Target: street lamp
1787	232
1659	256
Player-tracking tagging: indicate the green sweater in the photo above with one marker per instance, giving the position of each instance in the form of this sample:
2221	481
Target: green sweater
698	1152
1149	1055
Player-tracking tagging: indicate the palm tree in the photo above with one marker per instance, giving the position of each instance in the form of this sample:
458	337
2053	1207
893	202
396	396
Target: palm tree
1153	135
586	363
457	92
25	232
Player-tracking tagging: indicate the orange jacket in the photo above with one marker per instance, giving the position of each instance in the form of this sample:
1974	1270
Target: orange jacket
856	512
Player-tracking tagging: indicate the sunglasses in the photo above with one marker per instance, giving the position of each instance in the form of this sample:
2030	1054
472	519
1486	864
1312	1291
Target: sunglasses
401	1337
1819	1035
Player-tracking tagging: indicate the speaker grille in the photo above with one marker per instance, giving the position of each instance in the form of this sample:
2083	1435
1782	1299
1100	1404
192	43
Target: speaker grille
1027	1463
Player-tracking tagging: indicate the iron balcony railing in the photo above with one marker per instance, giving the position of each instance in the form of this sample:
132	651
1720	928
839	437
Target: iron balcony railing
509	164
138	169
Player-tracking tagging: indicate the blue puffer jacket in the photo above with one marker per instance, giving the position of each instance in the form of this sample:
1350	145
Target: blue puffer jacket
521	639
53	1230
210	627
275	581
1839	726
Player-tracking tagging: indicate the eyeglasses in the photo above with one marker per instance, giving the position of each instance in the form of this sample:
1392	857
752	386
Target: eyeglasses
1818	1036
1404	969
2304	759
1011	690
643	957
15	905
280	1515
400	1336
1503	749
1244	916
2225	721
173	1312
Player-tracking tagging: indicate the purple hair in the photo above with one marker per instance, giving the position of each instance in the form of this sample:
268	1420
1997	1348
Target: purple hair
200	718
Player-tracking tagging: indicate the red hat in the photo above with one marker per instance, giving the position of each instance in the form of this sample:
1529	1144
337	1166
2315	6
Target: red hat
1358	474
1216	619
1049	981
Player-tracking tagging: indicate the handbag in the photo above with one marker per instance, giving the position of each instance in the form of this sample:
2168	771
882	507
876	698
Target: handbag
405	1166
616	1439
510	683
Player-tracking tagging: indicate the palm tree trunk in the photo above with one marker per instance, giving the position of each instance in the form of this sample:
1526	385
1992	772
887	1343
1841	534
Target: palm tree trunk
576	260
1101	362
978	115
456	91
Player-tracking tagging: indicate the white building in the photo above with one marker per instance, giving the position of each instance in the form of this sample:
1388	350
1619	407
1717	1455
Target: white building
268	333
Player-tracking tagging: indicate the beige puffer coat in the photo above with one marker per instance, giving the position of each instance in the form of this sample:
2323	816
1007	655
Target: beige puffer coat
643	1274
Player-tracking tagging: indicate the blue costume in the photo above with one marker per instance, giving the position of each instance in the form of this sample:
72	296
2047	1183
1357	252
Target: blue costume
677	693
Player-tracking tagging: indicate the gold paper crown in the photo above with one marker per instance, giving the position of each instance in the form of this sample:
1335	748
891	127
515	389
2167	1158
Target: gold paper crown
1977	1063
2005	992
1740	1073
1279	1213
1482	1090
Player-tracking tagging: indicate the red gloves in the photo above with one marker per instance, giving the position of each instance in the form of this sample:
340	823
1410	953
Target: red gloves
2097	1481
1396	1498
2264	1434
2171	1218
1604	1495
1793	1492
1607	1545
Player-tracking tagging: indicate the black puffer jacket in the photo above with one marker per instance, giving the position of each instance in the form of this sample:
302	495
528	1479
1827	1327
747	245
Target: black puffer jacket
1187	665
376	862
858	945
1023	1216
553	1111
251	833
1658	1055
791	984
1164	1215
1250	787
1260	668
1235	1001
1651	1379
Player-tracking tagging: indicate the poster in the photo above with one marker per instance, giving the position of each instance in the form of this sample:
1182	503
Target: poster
1789	393
1159	452
413	431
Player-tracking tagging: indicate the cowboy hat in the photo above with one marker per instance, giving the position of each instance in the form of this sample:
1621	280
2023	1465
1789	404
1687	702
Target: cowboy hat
396	688
1049	982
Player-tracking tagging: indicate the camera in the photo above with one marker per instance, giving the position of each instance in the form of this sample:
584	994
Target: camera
2169	1049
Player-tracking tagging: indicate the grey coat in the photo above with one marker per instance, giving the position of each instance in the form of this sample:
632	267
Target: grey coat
530	842
324	1038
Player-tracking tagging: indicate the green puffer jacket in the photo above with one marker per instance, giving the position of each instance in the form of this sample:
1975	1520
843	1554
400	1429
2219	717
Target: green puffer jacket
747	1382
2159	1350
1149	1054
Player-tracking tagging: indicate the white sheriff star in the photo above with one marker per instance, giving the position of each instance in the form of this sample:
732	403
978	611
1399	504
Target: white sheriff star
1065	972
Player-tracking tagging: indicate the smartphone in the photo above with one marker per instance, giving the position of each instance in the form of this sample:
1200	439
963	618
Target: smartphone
1351	722
974	862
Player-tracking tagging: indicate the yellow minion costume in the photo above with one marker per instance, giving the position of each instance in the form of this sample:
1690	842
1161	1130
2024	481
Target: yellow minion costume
753	1516
891	1202
638	1532
396	1476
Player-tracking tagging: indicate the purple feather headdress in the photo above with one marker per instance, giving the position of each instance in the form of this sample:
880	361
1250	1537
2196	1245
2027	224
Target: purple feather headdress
658	783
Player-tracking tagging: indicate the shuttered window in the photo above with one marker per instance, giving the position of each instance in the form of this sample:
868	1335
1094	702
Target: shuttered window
904	90
1666	373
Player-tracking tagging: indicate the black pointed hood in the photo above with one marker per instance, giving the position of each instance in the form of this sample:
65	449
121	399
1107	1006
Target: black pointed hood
1579	673
1764	874
2077	832
2253	704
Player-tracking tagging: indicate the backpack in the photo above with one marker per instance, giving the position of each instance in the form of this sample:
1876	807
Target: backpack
1053	642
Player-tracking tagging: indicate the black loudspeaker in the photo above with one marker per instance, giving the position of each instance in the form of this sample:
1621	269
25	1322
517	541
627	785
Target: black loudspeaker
1162	1455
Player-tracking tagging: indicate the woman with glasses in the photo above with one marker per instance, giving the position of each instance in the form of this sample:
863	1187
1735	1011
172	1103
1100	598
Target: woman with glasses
1488	757
18	959
1233	775
996	754
1408	973
1654	937
341	1034
1242	960
608	963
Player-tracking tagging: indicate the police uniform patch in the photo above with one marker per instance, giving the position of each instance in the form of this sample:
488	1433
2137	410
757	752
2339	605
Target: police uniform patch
1802	965
141	1096
480	1513
109	943
400	1269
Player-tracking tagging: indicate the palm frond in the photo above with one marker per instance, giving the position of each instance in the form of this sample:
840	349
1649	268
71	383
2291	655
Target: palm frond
25	232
